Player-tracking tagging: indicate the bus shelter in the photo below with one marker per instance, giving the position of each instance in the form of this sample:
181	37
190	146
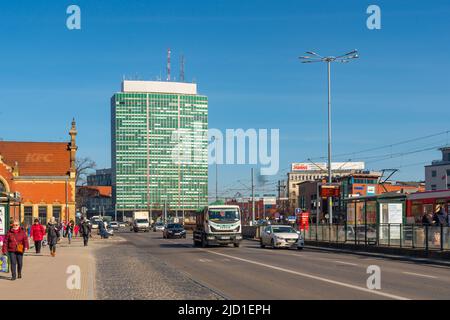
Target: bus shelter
376	219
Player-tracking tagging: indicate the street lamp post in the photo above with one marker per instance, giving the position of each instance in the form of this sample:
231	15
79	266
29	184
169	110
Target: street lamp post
314	57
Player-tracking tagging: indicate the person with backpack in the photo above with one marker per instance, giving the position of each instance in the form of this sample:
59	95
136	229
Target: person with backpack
37	233
85	230
53	234
15	244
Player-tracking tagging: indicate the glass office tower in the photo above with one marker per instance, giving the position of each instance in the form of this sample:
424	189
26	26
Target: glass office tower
159	146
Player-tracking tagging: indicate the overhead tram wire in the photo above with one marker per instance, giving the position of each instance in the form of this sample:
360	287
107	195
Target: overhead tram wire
388	145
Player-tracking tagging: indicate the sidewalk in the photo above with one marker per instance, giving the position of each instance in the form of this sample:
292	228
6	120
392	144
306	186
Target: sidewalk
45	277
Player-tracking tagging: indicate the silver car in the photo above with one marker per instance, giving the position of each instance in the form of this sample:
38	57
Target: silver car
281	236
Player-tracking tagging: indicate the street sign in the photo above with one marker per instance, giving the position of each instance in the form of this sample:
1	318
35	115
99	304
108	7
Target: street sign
292	218
304	221
298	211
3	222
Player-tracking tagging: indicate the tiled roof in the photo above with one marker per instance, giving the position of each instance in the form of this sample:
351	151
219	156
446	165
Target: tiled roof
37	158
103	191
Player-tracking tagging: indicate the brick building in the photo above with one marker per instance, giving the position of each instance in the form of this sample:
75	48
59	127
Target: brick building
42	174
95	200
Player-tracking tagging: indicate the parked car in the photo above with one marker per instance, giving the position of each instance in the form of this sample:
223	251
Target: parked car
281	236
174	230
158	226
114	225
95	222
122	224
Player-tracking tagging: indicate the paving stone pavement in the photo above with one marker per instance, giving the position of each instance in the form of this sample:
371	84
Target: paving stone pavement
45	277
125	271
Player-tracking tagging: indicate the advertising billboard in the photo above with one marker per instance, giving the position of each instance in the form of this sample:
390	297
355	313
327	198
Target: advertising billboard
322	166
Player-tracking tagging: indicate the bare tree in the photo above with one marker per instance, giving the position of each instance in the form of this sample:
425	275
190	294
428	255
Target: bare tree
84	166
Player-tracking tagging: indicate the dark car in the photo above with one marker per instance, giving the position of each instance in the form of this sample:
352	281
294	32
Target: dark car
174	230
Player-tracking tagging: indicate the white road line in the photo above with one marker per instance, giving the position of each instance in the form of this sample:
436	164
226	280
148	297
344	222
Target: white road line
387	295
204	260
419	275
343	262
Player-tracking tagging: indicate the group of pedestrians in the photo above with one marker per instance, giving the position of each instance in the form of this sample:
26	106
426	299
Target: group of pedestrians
16	242
439	218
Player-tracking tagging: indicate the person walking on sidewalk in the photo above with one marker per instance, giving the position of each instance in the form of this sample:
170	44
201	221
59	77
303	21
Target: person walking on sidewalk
85	230
15	244
37	233
69	230
52	236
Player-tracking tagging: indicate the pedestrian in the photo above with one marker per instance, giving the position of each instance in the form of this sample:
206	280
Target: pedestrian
15	244
85	230
69	230
441	217
53	234
102	230
37	233
76	229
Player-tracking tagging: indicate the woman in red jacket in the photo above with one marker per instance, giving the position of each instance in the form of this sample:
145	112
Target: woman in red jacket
15	244
37	233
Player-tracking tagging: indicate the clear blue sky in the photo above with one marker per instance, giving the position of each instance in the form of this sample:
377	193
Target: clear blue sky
243	55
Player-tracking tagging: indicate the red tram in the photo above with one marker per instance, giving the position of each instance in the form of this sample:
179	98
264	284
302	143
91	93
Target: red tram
420	203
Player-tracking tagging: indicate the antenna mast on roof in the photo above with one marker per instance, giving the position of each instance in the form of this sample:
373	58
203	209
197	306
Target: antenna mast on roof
168	64
182	69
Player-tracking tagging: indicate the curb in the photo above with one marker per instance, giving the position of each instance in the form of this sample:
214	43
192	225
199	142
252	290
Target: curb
383	255
375	254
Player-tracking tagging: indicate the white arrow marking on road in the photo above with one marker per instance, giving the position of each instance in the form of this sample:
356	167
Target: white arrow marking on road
343	284
420	275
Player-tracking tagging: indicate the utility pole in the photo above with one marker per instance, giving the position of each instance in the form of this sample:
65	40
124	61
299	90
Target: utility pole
253	201
217	195
330	178
314	57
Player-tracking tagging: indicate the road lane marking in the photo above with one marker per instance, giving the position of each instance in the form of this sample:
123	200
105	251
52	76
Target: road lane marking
348	263
420	275
306	275
204	260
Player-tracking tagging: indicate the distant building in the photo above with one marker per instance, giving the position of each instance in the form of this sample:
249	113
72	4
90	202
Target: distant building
101	177
301	172
159	151
437	174
95	200
42	174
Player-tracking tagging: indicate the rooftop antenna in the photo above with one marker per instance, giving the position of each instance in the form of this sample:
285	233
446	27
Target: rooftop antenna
168	64
182	69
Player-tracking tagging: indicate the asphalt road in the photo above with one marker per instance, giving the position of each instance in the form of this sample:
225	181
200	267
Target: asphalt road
250	272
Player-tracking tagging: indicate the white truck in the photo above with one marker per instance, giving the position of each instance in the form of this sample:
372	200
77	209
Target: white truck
141	221
218	224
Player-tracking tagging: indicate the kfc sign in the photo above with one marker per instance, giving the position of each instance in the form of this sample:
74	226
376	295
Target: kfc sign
39	157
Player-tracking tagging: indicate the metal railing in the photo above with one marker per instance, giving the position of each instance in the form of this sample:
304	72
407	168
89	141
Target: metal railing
411	236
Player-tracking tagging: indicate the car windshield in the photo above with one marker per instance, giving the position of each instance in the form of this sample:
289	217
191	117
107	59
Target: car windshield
174	226
283	230
224	215
159	224
141	221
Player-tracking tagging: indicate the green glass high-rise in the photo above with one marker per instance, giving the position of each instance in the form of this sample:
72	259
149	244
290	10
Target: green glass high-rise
159	147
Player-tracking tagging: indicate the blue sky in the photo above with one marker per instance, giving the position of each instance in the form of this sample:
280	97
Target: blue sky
243	55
